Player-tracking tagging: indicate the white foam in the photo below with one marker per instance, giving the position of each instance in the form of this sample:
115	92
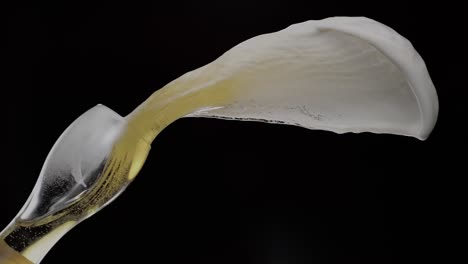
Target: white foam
342	74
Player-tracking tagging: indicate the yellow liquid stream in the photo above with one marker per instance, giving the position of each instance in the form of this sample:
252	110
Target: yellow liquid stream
33	239
308	75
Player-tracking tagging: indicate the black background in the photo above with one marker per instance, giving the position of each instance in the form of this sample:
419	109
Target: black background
226	191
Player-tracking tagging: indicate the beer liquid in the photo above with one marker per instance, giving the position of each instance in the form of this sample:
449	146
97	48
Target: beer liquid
35	237
308	75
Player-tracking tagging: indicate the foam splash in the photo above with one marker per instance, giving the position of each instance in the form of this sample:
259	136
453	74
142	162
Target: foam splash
339	74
